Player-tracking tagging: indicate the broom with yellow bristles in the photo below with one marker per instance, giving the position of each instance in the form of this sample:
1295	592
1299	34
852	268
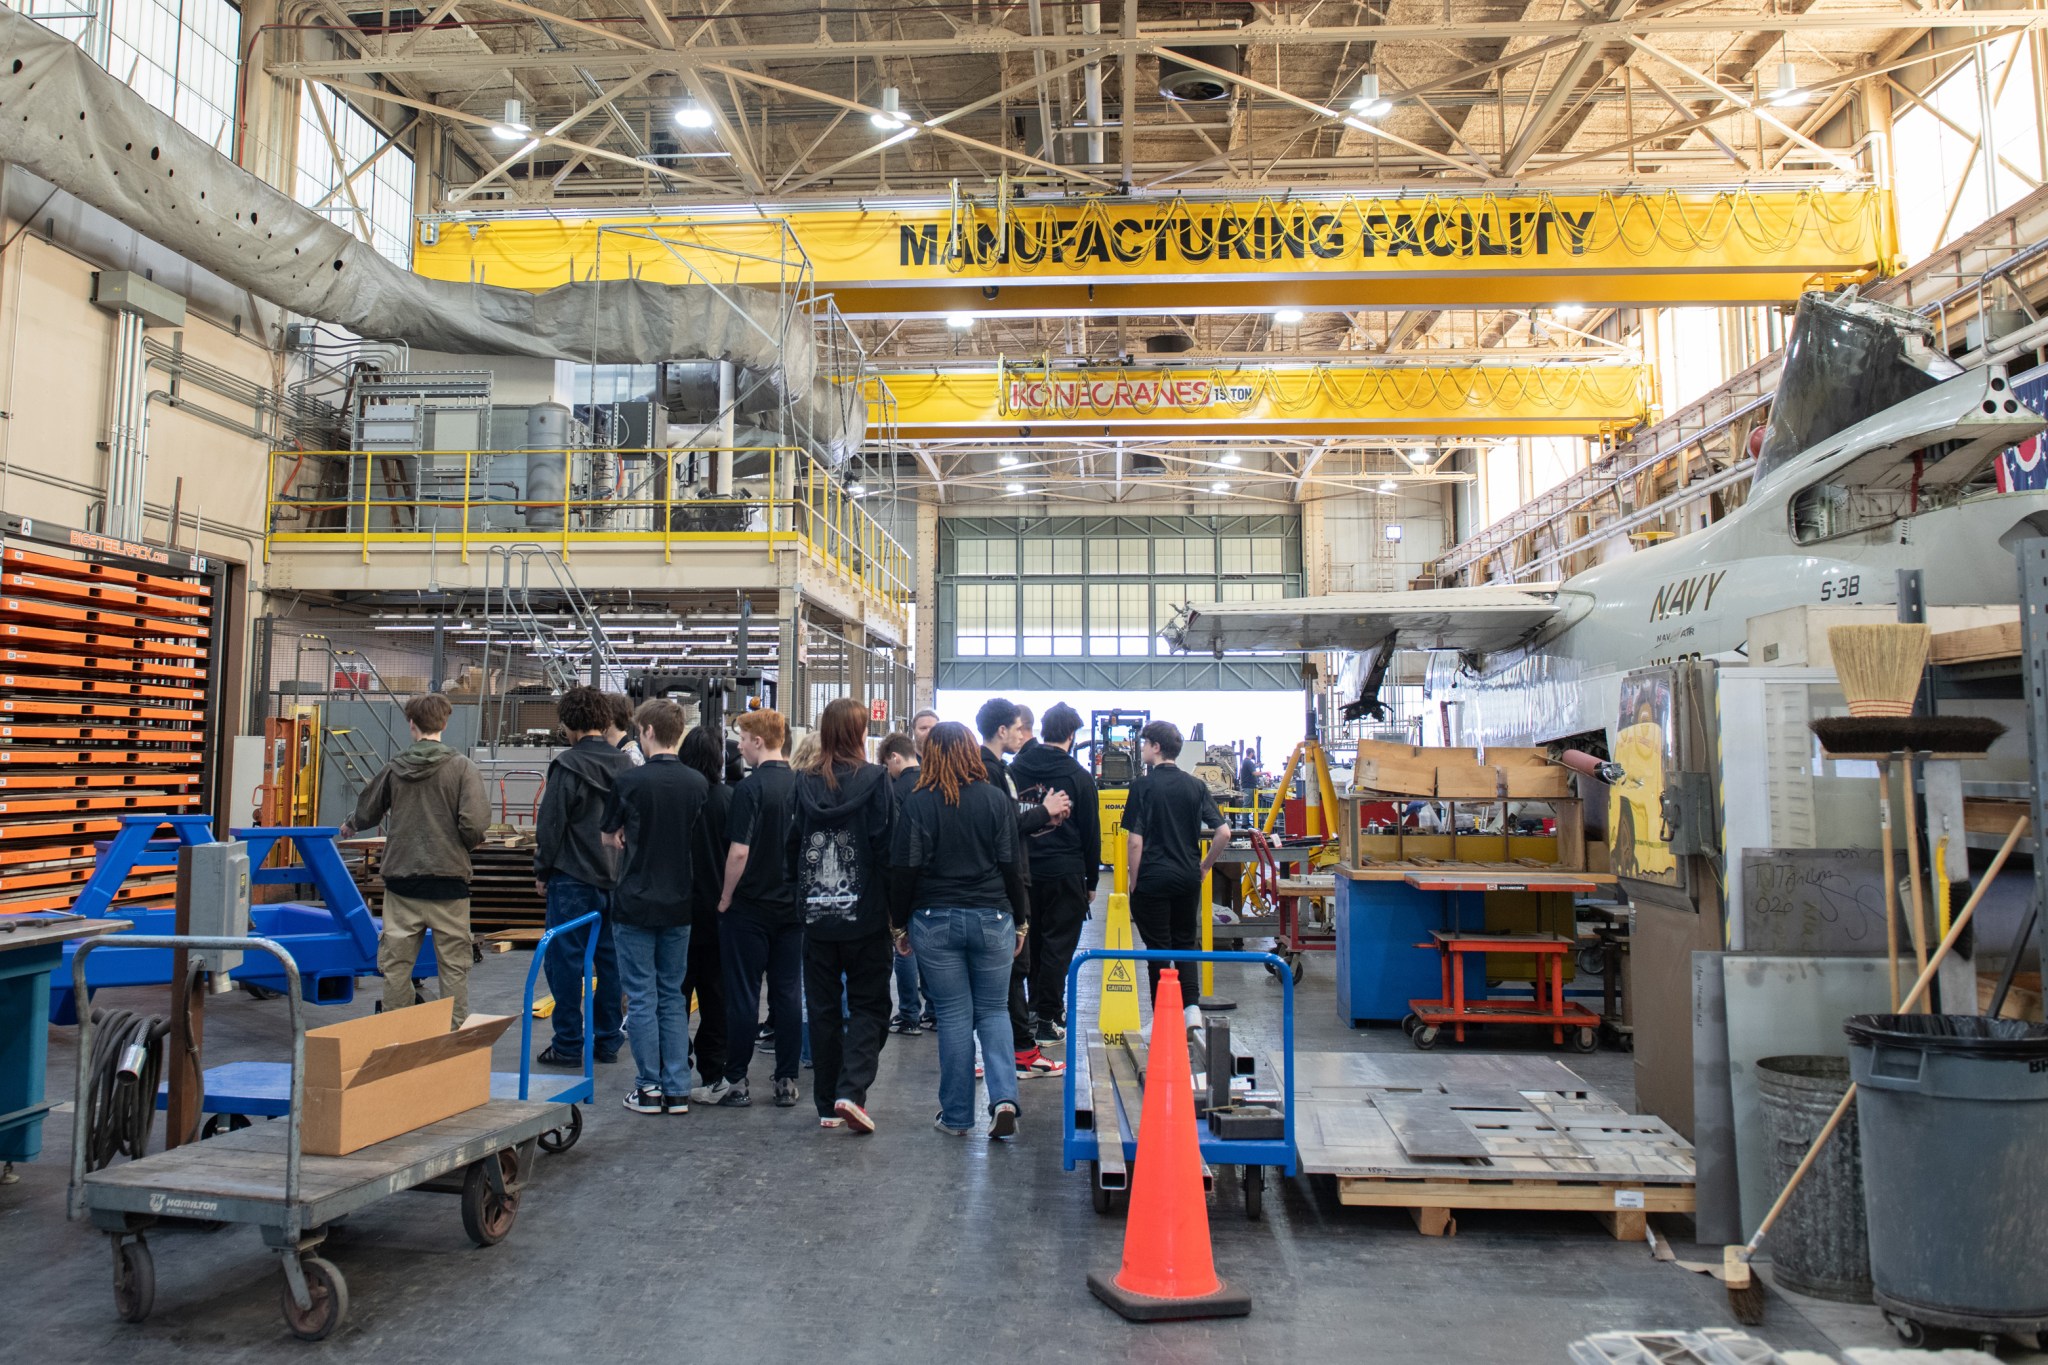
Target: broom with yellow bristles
1880	667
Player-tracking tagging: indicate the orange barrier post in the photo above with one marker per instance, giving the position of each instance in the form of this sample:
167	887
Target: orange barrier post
1169	1271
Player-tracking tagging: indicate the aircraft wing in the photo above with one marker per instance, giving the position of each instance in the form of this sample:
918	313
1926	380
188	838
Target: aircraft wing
1475	620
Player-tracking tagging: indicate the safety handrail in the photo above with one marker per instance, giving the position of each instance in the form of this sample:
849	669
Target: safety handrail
1271	961
294	1004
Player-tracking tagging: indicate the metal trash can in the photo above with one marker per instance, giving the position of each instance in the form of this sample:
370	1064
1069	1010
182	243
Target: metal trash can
1819	1245
1954	1115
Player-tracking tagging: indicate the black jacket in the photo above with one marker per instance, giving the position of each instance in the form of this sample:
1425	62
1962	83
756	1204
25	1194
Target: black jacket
707	867
962	857
566	837
839	851
905	782
1075	844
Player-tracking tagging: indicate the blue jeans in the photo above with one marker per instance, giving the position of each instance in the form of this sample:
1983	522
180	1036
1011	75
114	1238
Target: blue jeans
652	964
909	985
570	899
965	957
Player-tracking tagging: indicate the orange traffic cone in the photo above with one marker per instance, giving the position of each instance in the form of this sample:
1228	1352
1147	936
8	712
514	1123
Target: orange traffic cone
1168	1271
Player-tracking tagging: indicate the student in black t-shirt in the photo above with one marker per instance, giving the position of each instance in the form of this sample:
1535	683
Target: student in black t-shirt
652	822
759	928
899	756
1168	816
706	980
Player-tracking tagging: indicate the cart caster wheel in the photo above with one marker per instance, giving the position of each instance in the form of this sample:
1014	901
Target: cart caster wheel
1408	1023
487	1216
1909	1332
257	992
329	1292
1424	1037
1585	1040
217	1124
134	1280
1101	1199
1253	1178
559	1140
1297	964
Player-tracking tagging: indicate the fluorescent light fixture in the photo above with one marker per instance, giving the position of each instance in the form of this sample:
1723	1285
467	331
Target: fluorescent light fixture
1389	486
1013	488
1393	531
890	119
858	489
514	126
1418	455
1220	486
1787	92
1287	317
691	114
1567	312
1369	104
1232	457
1008	461
960	322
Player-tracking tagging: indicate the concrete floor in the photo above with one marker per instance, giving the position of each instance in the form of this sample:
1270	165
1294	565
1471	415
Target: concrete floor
754	1236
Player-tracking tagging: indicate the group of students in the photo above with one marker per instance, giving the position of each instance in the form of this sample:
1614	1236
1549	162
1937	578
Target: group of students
962	865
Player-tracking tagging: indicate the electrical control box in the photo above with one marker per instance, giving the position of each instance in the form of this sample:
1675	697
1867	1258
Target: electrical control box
217	881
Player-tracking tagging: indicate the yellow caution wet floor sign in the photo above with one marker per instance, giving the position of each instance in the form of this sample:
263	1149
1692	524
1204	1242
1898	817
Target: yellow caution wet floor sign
1118	1012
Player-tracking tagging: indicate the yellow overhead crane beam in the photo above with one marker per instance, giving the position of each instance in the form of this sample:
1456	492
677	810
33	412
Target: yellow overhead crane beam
1449	400
1142	256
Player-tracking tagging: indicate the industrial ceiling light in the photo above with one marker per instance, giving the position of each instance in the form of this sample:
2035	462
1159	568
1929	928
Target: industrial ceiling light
1393	530
1787	92
1287	317
514	126
890	119
1389	486
1013	488
1220	486
1369	104
1232	457
691	114
1418	455
1008	461
960	322
1569	311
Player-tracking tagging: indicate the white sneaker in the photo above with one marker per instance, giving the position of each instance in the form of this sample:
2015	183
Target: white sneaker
710	1094
1192	1016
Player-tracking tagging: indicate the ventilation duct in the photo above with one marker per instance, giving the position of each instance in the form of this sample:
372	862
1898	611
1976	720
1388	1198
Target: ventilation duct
69	122
1169	343
1186	85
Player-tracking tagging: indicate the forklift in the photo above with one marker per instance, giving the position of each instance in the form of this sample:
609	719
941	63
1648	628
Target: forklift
1115	763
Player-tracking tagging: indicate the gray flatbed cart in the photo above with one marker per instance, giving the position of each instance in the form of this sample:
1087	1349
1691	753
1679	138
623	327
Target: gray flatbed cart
258	1175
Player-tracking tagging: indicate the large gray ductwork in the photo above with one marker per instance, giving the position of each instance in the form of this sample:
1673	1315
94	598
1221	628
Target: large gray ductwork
72	124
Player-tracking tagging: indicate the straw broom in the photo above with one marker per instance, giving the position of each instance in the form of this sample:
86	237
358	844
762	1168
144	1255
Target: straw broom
1880	666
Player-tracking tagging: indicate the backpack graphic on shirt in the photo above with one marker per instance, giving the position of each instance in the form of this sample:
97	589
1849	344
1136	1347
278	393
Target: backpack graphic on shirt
832	874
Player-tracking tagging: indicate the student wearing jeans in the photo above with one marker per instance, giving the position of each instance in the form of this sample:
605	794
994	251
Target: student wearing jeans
899	757
957	899
652	823
1169	815
575	871
706	979
434	801
760	929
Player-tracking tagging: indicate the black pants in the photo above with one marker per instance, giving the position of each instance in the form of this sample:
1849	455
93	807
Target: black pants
1059	907
846	1043
706	979
749	948
1170	921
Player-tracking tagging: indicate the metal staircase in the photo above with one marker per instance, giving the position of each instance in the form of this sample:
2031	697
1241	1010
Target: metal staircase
569	641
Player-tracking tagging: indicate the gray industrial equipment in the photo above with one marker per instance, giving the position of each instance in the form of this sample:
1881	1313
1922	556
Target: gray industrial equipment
217	903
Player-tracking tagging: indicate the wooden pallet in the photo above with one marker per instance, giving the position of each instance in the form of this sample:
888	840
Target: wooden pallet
1434	1204
1437	1134
501	892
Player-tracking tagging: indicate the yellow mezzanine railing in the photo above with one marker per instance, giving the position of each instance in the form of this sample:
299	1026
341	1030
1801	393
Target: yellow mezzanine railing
781	499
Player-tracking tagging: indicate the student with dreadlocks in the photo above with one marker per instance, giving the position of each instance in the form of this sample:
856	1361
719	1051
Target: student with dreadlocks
957	899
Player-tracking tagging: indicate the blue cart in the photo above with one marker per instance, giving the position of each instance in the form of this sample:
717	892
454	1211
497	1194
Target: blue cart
333	942
1103	1131
239	1092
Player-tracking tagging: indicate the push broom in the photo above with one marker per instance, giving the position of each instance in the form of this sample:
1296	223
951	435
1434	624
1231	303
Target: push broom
1879	667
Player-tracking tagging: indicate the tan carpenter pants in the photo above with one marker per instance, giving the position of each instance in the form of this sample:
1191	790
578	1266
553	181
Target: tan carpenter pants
406	921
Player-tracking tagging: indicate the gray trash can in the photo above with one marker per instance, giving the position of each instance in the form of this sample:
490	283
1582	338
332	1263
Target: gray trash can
1818	1246
1954	1115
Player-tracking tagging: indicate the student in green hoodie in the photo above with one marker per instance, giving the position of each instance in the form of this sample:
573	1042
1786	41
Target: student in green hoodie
434	798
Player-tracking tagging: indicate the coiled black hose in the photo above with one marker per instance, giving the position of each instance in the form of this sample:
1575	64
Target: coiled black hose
120	1108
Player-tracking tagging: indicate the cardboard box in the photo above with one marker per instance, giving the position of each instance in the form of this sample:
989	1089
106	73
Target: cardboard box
385	1074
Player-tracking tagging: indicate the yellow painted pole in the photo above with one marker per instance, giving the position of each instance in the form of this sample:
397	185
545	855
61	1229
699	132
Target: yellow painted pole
468	471
1208	972
1116	1011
